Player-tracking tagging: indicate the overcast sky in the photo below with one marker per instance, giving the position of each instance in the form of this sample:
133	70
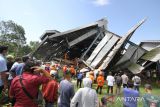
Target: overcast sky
36	16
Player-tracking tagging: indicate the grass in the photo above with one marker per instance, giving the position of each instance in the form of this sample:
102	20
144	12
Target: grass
118	103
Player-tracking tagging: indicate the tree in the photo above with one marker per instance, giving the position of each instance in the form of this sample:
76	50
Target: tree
11	32
34	45
25	50
13	35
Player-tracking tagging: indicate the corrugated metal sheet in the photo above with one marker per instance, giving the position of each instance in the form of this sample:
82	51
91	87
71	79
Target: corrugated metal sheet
138	53
153	55
127	56
119	45
112	53
99	47
104	51
135	68
132	54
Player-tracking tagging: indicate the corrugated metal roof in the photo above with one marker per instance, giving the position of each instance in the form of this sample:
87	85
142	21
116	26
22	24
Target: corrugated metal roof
104	51
120	44
135	68
153	55
99	47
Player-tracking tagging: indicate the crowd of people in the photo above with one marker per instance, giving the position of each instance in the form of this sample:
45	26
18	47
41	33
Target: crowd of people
32	83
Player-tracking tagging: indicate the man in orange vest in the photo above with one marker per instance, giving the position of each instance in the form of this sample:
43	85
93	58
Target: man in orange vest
72	71
100	81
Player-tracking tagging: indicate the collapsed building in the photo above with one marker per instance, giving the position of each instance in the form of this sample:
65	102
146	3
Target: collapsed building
97	47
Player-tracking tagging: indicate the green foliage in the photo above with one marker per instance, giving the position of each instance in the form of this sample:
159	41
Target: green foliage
13	35
11	32
34	45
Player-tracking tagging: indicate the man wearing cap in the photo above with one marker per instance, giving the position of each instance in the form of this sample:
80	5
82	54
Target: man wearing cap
66	90
150	100
50	90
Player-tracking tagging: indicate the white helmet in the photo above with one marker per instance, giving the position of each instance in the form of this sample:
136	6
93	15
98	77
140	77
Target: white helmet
53	72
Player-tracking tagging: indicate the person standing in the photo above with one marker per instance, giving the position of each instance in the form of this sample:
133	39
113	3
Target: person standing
50	90
66	90
110	81
13	69
20	66
25	88
85	97
130	96
150	100
65	67
3	68
148	74
79	79
73	71
118	80
137	81
124	80
91	76
96	72
10	62
100	82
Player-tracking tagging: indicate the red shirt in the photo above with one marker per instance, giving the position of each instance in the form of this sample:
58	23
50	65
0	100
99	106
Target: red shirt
31	83
50	91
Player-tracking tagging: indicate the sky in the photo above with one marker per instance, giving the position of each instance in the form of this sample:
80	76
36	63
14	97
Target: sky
36	16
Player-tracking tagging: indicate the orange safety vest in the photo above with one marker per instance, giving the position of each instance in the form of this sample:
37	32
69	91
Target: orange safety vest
100	80
72	70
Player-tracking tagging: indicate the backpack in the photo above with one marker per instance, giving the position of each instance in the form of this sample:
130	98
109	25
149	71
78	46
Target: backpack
118	80
137	80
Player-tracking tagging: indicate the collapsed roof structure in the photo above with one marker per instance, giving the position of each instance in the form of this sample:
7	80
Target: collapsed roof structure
96	46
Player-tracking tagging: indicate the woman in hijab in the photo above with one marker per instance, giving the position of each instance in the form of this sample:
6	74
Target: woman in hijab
85	97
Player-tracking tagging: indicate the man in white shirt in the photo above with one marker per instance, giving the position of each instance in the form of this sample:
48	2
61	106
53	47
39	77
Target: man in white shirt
110	81
124	80
137	81
3	67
